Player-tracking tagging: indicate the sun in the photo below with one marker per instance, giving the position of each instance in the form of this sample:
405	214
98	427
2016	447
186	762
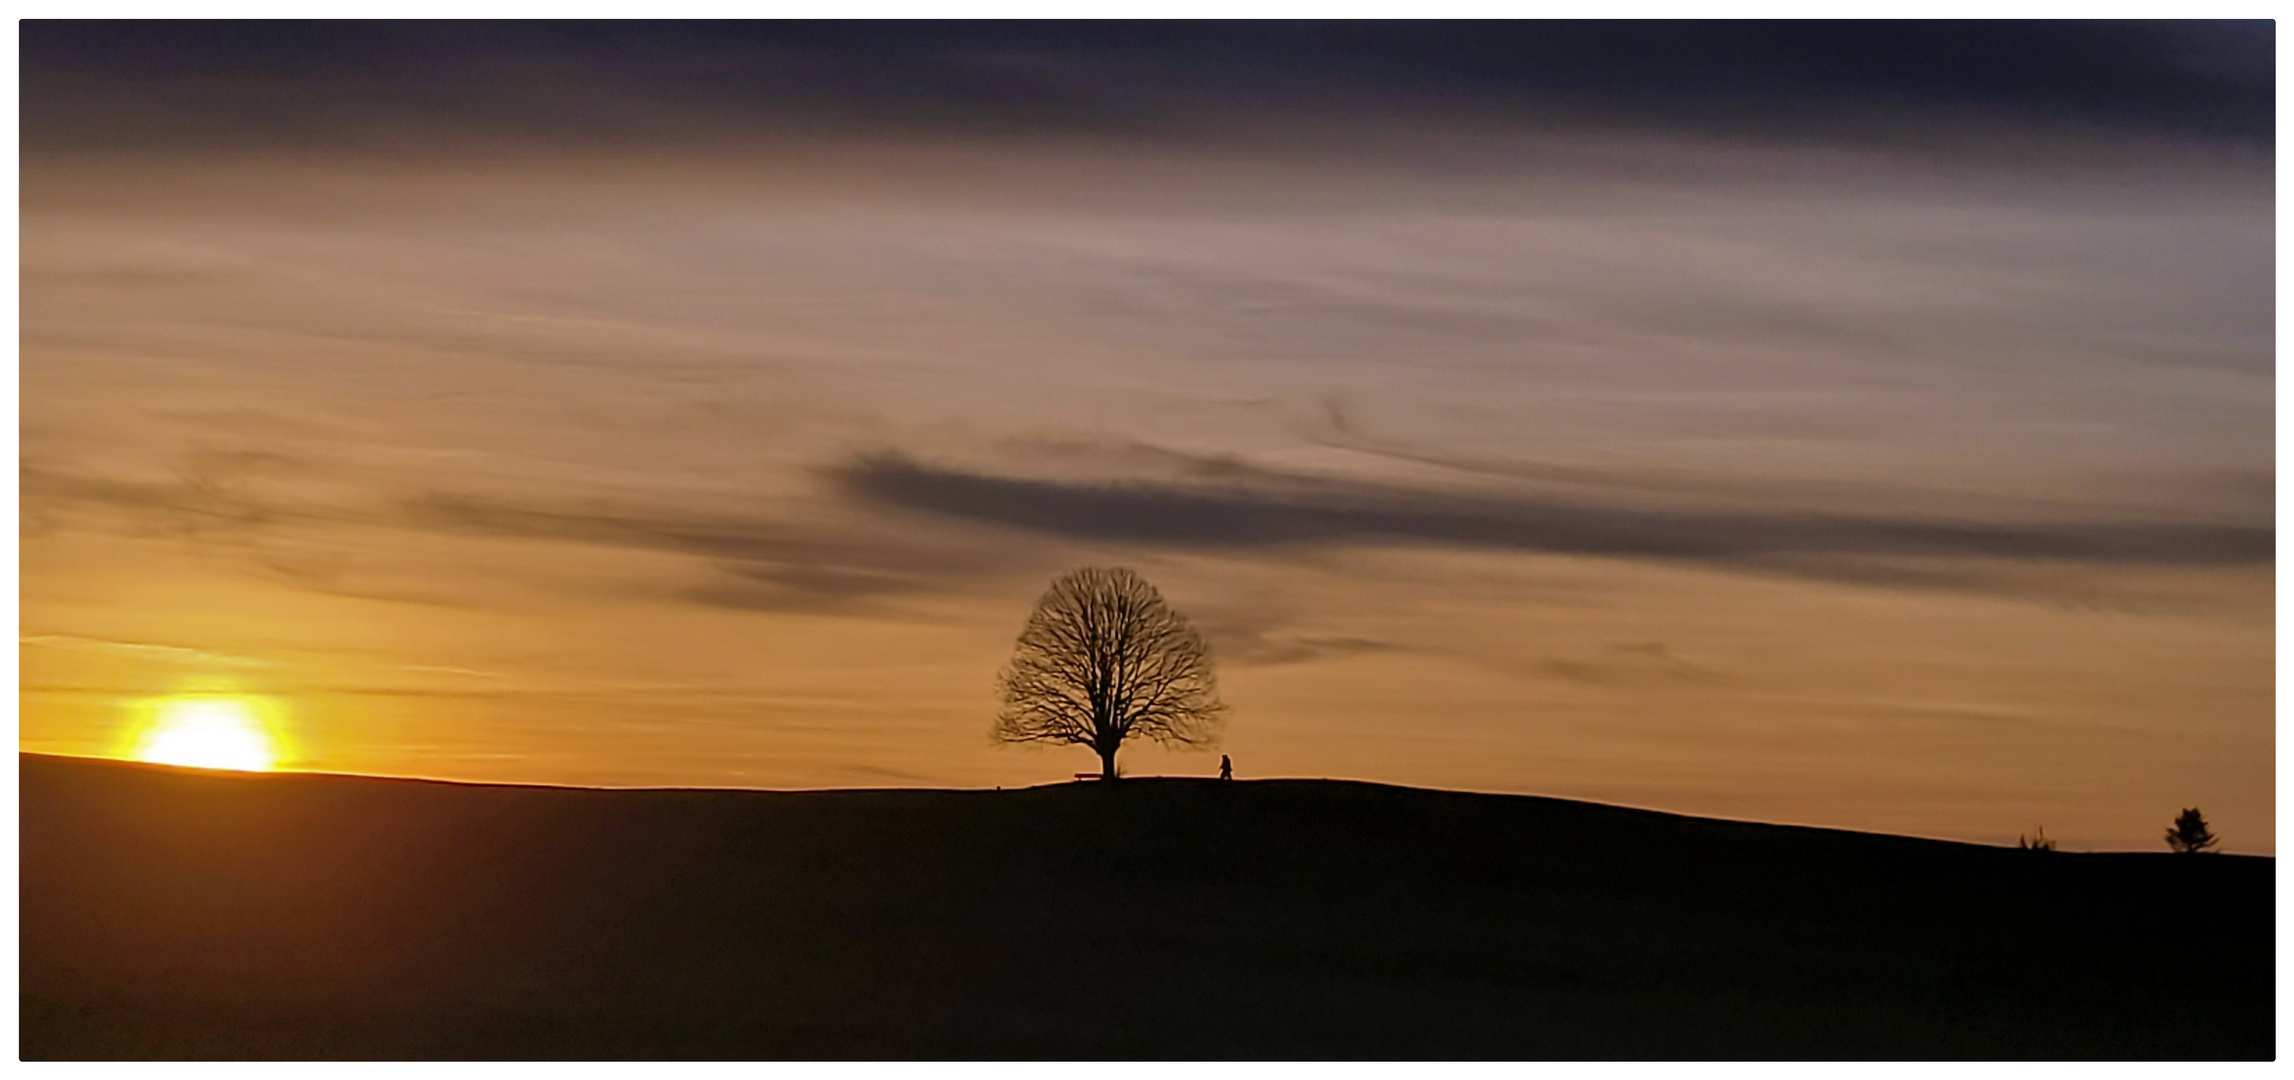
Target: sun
209	733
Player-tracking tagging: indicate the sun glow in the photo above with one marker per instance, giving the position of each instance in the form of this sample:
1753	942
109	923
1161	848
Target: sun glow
209	733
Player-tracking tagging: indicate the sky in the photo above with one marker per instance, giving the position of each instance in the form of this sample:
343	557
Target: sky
1861	425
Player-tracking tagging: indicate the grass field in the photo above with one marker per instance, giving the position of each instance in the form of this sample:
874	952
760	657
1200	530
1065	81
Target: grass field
171	913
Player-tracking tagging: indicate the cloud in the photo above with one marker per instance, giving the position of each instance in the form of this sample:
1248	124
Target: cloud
144	650
1306	511
781	564
98	83
1631	665
805	559
716	536
808	588
191	504
1257	632
865	550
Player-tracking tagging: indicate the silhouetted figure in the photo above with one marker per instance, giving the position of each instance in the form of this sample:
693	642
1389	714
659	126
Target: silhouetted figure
2190	835
1226	768
1103	658
2036	843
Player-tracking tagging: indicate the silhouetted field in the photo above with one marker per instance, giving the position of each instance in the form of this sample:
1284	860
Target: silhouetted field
181	914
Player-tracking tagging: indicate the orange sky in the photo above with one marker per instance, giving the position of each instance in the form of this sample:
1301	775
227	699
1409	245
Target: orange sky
1765	482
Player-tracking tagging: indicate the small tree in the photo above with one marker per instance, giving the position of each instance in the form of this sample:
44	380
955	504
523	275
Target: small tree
1102	659
2189	834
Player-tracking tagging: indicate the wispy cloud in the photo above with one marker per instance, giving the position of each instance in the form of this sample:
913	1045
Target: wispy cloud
804	562
146	650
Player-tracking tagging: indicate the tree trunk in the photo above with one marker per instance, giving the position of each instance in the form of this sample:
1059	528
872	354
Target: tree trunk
1107	764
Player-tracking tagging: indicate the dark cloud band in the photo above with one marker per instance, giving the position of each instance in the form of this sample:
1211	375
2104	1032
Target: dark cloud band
1321	512
323	81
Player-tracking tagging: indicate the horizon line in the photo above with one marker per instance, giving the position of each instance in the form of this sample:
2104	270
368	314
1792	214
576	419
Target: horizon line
1053	784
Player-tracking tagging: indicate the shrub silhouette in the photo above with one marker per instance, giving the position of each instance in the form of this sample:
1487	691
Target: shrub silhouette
2036	842
1102	659
2189	835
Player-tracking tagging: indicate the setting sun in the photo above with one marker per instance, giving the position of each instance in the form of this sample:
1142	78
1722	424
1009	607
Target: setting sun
209	733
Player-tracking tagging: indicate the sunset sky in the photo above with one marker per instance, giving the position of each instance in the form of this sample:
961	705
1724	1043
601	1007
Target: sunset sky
1867	426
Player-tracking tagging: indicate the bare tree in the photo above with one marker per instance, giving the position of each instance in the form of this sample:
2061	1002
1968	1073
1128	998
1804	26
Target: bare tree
1103	659
2189	834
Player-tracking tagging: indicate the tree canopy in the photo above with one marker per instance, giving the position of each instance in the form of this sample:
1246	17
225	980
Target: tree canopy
2189	833
1103	659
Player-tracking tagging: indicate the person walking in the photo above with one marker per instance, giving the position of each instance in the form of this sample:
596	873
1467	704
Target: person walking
1226	768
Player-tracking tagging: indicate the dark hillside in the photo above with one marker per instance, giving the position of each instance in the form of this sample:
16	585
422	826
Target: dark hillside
169	913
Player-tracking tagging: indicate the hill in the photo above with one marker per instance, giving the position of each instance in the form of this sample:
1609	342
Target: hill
170	913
